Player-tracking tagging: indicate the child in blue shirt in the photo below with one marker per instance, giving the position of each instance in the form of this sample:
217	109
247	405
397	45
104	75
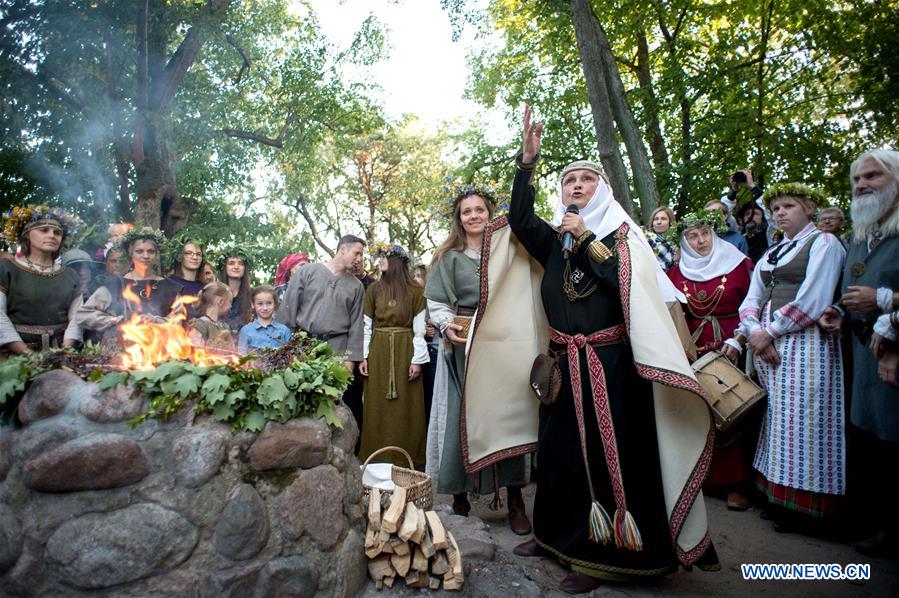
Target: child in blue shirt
263	332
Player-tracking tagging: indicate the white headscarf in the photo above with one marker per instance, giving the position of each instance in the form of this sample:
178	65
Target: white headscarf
721	260
603	215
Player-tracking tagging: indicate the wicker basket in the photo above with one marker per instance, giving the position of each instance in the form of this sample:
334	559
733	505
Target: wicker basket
465	323
418	485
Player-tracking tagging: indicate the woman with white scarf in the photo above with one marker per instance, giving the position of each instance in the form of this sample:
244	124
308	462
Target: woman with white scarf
714	277
609	501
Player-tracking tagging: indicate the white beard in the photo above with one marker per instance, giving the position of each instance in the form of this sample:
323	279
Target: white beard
867	209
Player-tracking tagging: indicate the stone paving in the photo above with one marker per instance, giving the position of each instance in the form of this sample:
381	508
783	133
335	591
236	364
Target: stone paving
739	538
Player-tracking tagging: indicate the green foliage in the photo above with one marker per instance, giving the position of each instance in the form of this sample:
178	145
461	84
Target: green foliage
246	397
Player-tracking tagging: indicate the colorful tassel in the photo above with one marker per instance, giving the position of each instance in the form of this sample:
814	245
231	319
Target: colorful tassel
627	535
600	526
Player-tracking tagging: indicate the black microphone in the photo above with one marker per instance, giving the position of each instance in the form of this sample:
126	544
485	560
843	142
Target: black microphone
568	238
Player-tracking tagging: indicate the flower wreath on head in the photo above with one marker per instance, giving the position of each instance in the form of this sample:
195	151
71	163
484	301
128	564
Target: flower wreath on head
776	190
144	233
714	219
218	256
380	248
176	251
21	219
455	190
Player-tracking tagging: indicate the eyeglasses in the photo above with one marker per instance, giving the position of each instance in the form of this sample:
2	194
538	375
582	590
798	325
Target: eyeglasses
193	254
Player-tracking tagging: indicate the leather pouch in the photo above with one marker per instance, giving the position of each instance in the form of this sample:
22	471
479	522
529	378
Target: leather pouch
546	378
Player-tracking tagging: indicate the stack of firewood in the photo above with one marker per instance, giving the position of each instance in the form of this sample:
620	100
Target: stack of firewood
406	542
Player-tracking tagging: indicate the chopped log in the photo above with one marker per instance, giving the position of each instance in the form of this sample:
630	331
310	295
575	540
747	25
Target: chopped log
410	522
438	532
418	579
419	560
380	567
427	546
402	563
421	527
379	584
374	509
439	564
383	536
388	581
434	583
373	551
391	519
455	556
448	575
400	547
371	537
454	584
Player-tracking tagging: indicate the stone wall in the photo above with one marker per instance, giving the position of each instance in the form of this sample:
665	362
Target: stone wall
186	508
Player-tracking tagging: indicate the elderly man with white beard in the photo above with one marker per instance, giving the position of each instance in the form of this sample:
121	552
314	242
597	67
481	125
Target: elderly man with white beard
870	282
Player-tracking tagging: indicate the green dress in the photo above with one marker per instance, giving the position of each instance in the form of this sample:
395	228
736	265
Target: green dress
393	407
38	303
455	282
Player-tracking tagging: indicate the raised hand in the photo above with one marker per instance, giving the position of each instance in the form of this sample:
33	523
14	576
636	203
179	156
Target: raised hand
533	131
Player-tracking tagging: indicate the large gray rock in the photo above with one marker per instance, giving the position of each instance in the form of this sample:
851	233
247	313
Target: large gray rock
471	534
90	462
101	550
242	528
346	436
10	538
5	451
288	577
238	582
49	394
198	454
313	503
303	443
35	439
119	403
353	572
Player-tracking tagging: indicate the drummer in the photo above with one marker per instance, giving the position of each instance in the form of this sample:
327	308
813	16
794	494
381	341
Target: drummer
714	277
801	453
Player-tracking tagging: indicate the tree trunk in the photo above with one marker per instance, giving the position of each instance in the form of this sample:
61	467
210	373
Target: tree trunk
644	182
660	159
585	30
758	167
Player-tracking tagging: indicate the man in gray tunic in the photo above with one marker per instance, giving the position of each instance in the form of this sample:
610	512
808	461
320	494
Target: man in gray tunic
326	300
870	282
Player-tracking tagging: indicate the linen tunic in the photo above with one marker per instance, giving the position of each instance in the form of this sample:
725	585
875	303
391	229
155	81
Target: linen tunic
393	411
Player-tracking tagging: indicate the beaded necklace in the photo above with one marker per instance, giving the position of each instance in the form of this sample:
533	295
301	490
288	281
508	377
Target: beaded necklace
704	304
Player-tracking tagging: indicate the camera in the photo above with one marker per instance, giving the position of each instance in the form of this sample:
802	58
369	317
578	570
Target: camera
738	177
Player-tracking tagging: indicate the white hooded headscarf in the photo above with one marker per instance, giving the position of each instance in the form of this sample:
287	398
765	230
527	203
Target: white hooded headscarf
603	215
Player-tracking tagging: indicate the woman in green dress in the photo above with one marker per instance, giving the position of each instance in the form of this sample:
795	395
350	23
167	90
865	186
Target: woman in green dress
38	295
453	290
394	349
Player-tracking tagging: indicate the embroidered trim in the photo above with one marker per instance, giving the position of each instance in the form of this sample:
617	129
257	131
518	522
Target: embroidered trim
798	316
602	567
693	486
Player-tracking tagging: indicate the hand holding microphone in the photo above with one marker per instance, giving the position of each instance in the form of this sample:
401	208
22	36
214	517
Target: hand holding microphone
573	227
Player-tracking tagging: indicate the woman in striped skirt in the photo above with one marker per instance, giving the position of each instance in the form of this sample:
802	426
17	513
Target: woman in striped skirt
801	454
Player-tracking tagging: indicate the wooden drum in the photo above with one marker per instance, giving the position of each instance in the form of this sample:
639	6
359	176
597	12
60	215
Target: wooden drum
732	393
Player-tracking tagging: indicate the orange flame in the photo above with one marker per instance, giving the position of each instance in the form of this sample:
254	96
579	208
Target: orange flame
151	343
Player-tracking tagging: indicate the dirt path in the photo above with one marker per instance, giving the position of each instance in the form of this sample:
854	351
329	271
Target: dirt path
738	537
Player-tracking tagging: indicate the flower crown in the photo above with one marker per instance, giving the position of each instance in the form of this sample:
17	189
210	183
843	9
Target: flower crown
388	250
176	252
20	219
711	218
218	255
455	190
145	233
794	190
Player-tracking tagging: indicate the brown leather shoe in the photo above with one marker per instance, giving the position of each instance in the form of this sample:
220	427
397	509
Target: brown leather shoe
518	519
529	549
461	506
737	501
578	583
